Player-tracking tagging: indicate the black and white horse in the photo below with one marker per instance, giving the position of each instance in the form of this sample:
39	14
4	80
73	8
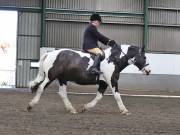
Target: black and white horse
73	65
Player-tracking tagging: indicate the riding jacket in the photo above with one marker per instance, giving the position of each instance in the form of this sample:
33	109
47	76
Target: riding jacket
91	38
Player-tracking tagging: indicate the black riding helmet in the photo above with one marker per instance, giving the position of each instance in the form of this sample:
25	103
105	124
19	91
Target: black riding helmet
95	17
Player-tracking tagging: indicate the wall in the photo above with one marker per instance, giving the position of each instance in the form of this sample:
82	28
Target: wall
52	23
165	74
28	36
122	21
164	26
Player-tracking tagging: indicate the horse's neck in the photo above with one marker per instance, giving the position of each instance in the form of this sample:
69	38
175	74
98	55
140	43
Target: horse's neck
122	63
124	49
107	52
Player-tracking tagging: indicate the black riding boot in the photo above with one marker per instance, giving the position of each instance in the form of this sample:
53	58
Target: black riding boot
94	69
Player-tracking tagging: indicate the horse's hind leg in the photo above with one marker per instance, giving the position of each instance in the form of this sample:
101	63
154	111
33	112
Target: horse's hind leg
63	94
40	90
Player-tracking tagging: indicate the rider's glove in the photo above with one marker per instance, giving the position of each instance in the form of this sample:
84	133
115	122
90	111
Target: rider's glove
111	43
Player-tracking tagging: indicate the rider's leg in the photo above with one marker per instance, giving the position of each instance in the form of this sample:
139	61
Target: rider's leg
99	54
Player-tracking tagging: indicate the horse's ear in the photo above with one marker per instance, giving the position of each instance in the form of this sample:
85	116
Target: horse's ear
143	49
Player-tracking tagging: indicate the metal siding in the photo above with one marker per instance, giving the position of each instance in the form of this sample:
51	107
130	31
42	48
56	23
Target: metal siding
33	73
165	3
29	23
22	73
164	30
178	17
163	17
107	5
21	3
120	5
28	35
124	34
28	47
66	30
68	34
64	34
85	18
164	39
71	4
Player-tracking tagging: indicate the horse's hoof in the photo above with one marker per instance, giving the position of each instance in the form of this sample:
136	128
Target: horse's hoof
29	108
126	113
32	91
73	111
83	110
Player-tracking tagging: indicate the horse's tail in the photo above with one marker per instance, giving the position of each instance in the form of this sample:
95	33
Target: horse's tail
34	85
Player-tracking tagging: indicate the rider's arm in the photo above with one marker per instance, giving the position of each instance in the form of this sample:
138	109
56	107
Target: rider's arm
103	39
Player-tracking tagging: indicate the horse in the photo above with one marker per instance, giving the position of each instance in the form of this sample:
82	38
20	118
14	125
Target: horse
73	65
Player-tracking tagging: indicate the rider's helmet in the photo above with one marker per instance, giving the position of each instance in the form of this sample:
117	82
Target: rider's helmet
95	17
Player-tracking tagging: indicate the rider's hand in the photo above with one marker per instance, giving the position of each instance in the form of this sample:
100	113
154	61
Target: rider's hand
111	43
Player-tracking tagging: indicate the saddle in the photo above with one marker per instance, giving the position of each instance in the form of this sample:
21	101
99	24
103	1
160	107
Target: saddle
93	56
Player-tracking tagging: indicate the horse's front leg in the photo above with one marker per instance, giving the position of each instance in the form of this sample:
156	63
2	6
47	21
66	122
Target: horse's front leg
114	87
102	87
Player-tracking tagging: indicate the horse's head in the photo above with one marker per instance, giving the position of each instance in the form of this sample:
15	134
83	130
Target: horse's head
134	55
138	58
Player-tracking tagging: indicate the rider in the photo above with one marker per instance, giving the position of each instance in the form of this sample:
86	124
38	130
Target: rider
91	37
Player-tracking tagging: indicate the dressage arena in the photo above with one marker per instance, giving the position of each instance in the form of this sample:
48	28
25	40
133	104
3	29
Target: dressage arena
150	115
145	36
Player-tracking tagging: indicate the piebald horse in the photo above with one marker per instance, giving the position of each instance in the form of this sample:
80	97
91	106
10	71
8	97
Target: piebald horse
73	65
